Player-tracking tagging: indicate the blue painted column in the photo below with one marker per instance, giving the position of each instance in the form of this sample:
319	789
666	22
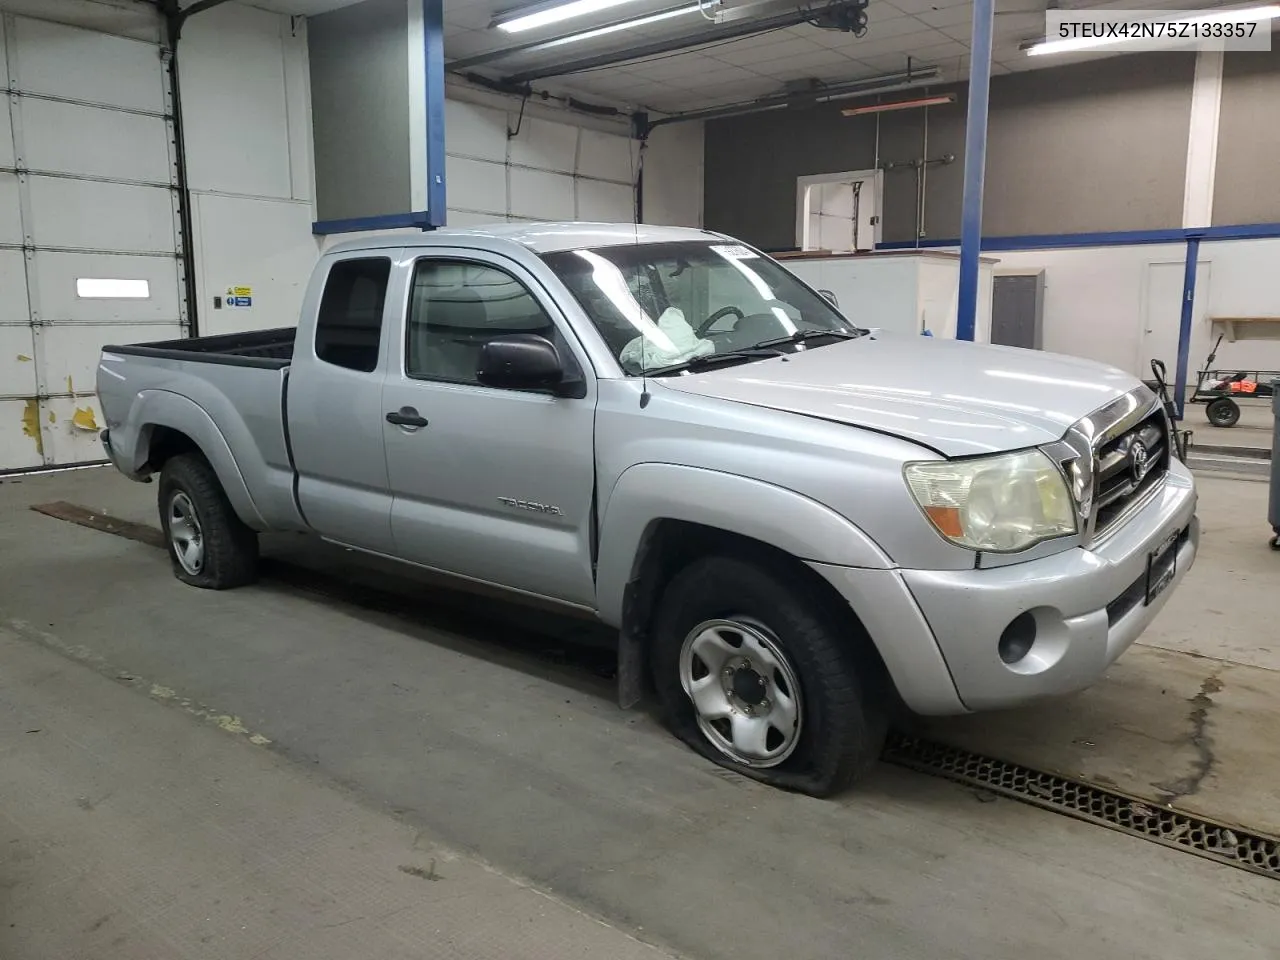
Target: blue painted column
1184	329
433	40
975	166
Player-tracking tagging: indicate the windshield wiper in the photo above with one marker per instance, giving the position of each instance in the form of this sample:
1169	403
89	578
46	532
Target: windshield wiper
758	352
804	336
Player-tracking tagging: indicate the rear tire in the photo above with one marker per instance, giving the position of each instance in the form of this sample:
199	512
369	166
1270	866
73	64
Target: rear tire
209	545
788	693
1223	412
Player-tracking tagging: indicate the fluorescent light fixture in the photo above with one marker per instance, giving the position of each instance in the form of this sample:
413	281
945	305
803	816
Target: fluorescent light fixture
623	25
889	83
546	14
1073	44
900	105
95	288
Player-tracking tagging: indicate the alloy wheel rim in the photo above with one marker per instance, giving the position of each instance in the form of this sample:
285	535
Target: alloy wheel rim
186	534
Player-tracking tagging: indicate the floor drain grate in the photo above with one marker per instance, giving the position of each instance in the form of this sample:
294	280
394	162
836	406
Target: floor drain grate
1133	815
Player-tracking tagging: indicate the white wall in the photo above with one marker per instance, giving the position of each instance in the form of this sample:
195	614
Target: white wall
247	118
562	164
673	175
246	108
1098	300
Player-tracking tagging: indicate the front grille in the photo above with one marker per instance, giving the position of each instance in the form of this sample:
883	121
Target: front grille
1127	467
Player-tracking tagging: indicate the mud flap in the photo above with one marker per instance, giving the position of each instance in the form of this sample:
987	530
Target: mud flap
631	658
630	669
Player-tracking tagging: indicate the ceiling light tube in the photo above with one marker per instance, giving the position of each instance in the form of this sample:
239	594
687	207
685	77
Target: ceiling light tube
1074	44
882	85
899	105
622	25
545	14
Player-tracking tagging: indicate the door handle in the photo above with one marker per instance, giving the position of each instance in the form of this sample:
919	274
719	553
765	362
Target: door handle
406	417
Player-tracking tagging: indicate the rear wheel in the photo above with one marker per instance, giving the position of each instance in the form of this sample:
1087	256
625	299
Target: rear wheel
758	673
1223	412
209	546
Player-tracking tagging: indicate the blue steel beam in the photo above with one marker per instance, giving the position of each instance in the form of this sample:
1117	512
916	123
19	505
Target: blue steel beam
1184	330
975	165
433	40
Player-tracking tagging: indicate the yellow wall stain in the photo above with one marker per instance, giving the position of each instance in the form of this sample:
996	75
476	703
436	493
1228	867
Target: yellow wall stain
84	418
70	387
23	358
31	423
53	417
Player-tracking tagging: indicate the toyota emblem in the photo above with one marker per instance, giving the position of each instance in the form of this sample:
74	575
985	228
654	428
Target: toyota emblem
1139	461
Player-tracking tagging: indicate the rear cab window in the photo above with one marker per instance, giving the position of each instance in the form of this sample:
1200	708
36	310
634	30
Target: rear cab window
349	323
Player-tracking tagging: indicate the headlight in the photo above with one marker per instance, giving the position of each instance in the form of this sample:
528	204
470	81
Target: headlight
1000	504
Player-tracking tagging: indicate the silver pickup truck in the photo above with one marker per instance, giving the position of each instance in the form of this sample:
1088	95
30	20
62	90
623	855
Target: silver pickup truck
796	524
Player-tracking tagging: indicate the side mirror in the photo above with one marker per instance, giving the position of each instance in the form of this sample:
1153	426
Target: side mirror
525	361
830	297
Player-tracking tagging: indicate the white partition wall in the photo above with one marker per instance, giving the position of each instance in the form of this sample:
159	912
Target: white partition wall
907	292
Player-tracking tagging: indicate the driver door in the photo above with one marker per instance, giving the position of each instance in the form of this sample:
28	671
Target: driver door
491	484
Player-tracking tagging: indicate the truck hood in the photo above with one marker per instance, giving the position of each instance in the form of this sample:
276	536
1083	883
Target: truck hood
957	398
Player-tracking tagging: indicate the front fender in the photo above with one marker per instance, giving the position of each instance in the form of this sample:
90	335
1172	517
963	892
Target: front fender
774	515
161	408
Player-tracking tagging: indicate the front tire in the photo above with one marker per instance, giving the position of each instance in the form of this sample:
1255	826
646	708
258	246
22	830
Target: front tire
757	671
209	545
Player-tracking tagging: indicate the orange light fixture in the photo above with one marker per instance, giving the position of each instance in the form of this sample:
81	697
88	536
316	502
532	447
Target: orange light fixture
939	100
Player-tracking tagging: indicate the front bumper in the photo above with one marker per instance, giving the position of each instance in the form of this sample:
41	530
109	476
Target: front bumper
1089	605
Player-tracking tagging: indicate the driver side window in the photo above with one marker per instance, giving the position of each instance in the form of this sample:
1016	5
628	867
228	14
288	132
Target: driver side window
456	307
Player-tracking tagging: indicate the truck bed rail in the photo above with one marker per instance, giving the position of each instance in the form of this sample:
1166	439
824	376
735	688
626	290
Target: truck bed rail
269	349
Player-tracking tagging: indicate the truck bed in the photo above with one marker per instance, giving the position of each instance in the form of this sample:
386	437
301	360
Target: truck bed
270	349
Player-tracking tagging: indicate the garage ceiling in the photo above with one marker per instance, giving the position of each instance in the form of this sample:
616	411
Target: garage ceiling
933	33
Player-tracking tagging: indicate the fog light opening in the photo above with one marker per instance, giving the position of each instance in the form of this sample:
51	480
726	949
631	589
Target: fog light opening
1018	638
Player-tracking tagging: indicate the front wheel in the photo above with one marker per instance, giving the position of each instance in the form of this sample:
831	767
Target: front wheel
209	545
1223	412
758	673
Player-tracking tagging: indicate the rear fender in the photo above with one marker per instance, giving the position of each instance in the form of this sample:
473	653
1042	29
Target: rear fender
153	409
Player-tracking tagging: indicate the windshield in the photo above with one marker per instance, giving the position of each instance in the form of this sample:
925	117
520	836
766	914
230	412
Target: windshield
660	306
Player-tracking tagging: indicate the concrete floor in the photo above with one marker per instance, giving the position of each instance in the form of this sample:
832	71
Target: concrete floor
268	773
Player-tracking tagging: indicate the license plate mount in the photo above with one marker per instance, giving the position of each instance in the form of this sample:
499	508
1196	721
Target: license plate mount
1162	567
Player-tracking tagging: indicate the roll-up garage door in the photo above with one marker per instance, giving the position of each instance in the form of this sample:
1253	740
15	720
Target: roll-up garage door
545	171
90	227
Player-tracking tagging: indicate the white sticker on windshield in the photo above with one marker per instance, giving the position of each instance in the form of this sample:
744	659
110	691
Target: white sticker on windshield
736	252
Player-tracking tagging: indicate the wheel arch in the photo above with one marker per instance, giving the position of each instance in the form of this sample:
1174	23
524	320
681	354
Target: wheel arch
170	424
660	517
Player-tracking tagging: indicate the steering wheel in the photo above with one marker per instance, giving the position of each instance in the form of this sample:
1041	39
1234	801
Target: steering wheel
708	323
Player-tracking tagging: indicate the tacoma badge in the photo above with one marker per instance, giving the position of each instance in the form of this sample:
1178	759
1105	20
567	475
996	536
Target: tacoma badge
530	505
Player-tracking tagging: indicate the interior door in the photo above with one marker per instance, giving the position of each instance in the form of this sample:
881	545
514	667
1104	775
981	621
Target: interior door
490	484
1162	319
